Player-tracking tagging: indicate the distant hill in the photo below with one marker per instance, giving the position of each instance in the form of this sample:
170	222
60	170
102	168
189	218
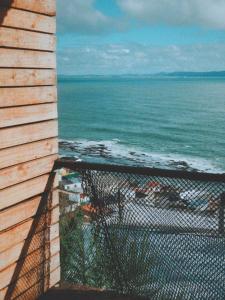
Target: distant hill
195	74
161	74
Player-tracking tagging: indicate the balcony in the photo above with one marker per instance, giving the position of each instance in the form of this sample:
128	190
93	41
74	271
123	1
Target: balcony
140	232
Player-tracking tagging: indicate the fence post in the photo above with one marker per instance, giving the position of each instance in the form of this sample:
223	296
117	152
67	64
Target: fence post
221	214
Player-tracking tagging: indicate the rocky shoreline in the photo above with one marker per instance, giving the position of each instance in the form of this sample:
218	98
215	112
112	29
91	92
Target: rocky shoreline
105	153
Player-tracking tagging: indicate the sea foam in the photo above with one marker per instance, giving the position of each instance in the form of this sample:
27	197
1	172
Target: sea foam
114	151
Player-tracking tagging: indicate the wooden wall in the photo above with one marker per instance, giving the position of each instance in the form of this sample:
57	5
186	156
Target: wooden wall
29	212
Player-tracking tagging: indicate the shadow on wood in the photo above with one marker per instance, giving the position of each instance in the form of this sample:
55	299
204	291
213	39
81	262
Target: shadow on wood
4	7
33	269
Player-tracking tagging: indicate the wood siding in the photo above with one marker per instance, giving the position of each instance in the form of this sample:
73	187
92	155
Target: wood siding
29	206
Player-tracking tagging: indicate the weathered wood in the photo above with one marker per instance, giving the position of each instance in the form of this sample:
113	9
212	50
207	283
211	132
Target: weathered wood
54	277
39	287
55	246
27	20
19	135
22	191
13	254
20	232
13	58
19	154
29	223
54	229
23	211
27	114
22	78
47	7
19	213
23	39
27	96
29	262
25	171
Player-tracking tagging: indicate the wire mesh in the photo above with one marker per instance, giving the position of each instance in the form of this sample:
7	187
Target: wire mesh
153	236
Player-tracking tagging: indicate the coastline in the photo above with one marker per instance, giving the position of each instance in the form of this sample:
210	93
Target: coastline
115	152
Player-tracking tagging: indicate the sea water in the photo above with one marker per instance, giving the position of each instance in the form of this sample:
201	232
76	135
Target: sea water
175	123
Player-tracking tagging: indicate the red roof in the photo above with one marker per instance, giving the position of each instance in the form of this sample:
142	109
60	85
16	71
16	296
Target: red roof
88	208
153	183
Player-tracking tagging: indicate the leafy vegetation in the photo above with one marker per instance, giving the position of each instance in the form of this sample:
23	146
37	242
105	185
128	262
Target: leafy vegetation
111	257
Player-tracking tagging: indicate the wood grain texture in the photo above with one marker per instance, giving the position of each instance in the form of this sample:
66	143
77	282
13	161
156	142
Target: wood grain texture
13	254
13	58
29	225
22	191
37	287
22	39
25	171
19	213
23	134
14	235
55	214
23	211
27	20
19	154
47	7
55	277
22	78
27	114
27	96
31	261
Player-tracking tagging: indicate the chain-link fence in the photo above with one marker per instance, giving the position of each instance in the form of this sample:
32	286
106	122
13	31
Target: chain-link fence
146	232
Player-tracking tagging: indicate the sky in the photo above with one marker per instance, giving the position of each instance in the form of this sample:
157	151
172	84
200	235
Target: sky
114	37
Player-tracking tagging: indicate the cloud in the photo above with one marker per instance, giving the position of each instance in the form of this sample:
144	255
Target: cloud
140	59
206	13
81	16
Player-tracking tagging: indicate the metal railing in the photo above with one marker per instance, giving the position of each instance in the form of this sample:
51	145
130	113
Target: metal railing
142	231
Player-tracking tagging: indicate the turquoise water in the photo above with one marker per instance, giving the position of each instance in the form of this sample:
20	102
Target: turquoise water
176	123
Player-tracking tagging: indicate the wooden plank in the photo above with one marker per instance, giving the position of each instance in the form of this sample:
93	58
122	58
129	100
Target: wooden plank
13	58
23	211
47	7
20	232
13	254
27	96
55	246
35	289
25	77
27	20
19	135
19	213
23	153
55	277
25	171
22	191
27	114
23	39
29	262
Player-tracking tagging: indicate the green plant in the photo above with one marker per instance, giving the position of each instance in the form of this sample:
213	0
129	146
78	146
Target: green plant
114	257
127	262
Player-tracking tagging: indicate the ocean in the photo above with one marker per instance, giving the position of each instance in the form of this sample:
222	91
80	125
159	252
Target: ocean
163	122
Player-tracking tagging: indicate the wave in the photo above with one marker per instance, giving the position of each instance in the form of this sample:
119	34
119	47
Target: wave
114	151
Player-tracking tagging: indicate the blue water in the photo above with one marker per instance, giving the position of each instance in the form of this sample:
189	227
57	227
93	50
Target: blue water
177	123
